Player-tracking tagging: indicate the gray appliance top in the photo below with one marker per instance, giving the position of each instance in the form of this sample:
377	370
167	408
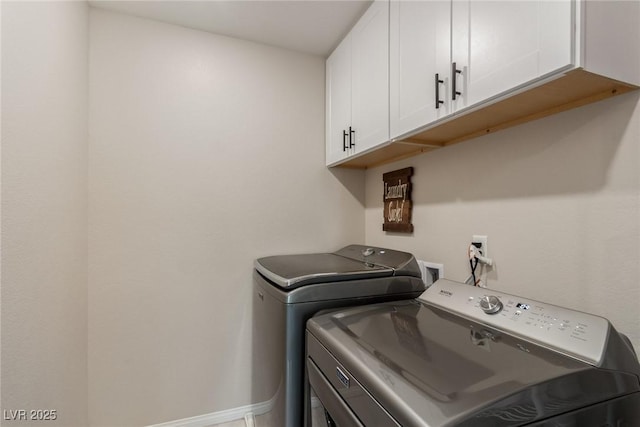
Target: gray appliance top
434	362
349	263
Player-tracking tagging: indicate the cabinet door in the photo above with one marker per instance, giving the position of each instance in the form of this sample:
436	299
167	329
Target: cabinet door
338	102
420	43
501	45
370	56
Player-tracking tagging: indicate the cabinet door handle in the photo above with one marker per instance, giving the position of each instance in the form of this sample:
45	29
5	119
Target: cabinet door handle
344	140
352	134
454	74
438	82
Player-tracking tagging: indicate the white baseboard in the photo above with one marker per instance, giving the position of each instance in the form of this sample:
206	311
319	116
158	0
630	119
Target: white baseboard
219	417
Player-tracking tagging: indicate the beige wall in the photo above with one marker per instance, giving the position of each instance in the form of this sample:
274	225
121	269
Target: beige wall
44	210
205	153
559	199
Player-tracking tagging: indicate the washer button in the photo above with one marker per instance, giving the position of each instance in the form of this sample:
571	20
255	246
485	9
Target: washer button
368	251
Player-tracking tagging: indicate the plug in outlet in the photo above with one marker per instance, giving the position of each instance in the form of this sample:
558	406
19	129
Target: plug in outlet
479	250
480	242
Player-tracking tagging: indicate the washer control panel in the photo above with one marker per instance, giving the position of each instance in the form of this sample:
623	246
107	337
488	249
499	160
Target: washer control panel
571	332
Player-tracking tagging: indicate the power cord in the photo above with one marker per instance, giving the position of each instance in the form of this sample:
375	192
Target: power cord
475	257
473	262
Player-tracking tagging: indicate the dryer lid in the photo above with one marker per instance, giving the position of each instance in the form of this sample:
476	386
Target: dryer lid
292	271
349	263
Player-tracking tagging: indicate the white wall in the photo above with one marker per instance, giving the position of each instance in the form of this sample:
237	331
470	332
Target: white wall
205	153
44	210
559	199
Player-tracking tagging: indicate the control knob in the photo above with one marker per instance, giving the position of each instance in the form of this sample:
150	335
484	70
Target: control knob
368	252
490	304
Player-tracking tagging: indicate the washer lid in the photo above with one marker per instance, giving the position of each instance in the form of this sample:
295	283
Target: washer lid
292	271
430	367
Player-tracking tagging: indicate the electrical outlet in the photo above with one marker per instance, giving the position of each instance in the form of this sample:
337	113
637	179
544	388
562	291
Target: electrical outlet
482	240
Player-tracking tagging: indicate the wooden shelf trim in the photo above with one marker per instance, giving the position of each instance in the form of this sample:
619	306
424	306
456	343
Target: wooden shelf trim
571	90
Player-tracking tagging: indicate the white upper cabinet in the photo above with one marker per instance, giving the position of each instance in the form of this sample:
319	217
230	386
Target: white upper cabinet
370	53
501	45
421	75
469	51
357	74
420	63
338	103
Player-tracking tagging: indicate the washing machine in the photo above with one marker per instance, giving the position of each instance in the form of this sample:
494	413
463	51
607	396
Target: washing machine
465	356
288	290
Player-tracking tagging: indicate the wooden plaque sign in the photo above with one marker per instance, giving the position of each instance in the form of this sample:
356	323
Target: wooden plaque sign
397	201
